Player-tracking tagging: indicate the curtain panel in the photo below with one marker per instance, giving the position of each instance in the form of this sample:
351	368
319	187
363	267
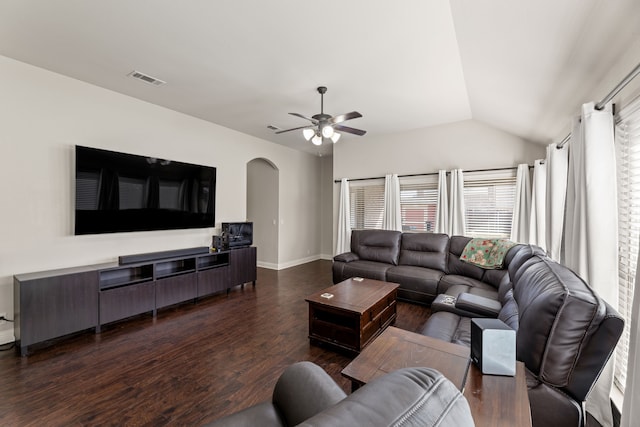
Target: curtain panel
631	405
343	243
442	209
591	234
522	207
557	168
457	211
537	228
392	216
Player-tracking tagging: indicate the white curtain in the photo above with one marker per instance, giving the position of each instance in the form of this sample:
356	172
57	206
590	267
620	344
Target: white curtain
557	168
537	229
522	208
457	225
631	405
392	217
442	210
343	243
591	235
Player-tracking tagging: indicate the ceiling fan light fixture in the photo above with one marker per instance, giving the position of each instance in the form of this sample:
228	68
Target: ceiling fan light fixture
308	133
317	140
335	137
327	131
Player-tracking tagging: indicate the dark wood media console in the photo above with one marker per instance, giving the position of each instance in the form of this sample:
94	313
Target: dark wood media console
52	304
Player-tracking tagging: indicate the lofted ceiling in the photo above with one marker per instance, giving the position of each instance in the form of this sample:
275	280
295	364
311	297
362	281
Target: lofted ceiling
520	66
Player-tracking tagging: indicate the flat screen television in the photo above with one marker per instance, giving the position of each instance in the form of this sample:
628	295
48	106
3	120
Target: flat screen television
118	192
237	234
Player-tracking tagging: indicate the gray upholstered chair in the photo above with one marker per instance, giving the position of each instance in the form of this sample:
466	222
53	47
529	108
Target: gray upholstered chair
306	395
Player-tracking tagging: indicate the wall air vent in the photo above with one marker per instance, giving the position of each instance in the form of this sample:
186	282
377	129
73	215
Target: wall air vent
146	78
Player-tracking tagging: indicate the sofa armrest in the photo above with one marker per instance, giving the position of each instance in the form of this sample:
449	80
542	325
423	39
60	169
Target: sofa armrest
478	304
303	390
346	257
407	397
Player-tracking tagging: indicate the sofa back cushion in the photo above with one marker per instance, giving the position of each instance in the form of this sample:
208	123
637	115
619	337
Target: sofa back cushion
376	245
461	268
495	277
424	250
559	317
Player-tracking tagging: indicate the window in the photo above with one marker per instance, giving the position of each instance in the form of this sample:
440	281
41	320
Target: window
489	198
628	169
419	203
367	203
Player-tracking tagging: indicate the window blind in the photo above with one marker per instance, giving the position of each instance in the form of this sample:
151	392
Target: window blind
627	140
367	204
418	203
489	200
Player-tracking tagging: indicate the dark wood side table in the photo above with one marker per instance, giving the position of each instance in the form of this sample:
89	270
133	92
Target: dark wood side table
494	400
356	313
396	348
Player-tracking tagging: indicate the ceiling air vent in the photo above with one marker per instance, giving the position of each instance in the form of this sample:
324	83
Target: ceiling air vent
146	78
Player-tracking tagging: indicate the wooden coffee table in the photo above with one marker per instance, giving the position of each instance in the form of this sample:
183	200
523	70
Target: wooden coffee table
358	311
494	400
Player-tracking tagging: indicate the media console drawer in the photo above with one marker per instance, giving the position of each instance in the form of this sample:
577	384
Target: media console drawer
127	301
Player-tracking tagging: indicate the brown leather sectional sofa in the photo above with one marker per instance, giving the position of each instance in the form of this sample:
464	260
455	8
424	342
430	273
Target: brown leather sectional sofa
565	332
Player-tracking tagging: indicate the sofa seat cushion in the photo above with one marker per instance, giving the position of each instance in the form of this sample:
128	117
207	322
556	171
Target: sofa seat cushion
419	279
456	290
458	284
448	327
366	269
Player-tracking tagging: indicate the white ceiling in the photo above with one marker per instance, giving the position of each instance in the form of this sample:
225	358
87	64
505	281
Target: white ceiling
521	66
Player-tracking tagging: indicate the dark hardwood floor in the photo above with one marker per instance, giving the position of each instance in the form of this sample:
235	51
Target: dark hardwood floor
191	364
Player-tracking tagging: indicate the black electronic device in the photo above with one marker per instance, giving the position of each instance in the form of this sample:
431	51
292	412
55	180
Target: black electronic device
118	192
237	234
218	244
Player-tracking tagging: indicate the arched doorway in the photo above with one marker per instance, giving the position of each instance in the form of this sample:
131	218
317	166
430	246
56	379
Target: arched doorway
263	209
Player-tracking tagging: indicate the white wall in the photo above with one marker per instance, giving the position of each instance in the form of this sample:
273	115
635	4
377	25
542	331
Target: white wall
467	144
45	114
326	206
262	210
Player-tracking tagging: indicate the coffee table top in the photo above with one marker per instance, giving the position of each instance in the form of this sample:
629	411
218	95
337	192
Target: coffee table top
354	295
396	349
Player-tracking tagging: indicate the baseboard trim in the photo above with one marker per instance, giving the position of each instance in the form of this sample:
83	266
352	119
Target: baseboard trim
296	262
289	264
6	337
267	265
326	257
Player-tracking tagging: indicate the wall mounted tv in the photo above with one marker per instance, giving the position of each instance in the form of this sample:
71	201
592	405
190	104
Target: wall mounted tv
118	192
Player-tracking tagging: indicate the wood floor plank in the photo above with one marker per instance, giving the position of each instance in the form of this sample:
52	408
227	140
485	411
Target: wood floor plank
191	364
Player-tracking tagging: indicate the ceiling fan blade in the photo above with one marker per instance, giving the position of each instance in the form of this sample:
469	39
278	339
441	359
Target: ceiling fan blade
344	117
289	130
347	129
314	121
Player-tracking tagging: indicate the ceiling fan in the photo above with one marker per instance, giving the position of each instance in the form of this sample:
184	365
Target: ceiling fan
325	126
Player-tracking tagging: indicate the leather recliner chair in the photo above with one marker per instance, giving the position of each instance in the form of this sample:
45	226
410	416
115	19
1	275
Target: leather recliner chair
306	395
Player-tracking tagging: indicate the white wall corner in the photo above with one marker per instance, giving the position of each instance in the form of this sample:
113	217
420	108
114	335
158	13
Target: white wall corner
295	262
6	336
